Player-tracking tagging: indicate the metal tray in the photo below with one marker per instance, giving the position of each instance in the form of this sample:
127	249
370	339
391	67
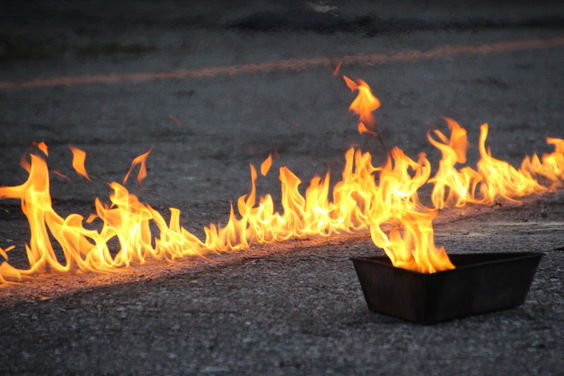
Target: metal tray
481	282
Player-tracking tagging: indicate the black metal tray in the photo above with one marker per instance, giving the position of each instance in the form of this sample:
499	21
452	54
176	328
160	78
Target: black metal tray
481	282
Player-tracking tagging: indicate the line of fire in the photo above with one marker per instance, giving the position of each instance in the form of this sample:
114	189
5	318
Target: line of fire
384	200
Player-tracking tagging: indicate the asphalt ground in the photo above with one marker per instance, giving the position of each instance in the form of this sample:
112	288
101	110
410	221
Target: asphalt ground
294	307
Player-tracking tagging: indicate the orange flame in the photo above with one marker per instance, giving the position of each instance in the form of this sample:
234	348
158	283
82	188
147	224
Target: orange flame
382	199
25	163
24	160
265	165
78	159
139	160
42	146
7	272
363	105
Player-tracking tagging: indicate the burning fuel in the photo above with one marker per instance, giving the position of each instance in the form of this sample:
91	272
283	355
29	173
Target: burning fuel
140	160
363	105
265	165
382	199
78	160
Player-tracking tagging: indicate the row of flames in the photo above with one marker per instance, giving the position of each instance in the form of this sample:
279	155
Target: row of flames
383	199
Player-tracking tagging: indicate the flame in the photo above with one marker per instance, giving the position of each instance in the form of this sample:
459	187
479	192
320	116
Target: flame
411	244
139	160
363	105
265	165
550	167
125	219
24	162
42	146
78	159
7	272
382	199
493	179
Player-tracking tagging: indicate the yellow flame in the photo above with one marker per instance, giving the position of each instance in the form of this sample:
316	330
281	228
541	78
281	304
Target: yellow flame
493	179
382	199
363	105
411	243
550	167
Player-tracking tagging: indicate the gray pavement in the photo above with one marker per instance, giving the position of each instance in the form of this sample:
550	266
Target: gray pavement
296	307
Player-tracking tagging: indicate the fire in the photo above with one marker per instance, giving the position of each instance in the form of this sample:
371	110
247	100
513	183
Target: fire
126	219
382	199
265	165
42	146
24	162
493	179
411	243
551	167
78	159
363	105
140	160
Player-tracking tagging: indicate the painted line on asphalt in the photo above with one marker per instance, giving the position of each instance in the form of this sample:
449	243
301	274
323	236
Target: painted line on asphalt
291	65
